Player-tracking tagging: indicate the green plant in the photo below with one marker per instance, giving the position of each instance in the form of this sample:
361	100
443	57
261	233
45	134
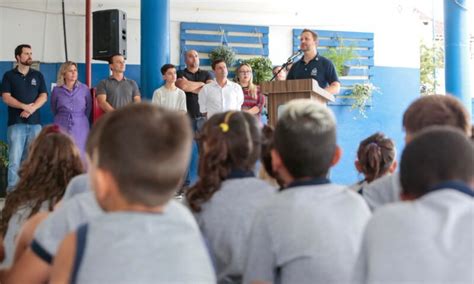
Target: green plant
223	52
361	95
3	154
431	58
261	67
339	55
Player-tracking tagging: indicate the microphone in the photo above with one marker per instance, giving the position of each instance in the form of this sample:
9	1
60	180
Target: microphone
299	52
296	54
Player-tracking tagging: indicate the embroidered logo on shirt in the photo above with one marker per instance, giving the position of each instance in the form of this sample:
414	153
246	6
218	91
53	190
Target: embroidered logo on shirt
314	72
33	82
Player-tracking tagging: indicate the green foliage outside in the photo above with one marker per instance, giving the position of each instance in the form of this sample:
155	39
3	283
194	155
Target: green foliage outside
223	52
431	58
261	67
339	55
362	94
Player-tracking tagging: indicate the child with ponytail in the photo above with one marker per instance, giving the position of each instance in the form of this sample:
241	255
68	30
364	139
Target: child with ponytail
227	194
375	158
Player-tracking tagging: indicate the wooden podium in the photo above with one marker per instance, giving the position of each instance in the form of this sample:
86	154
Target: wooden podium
280	92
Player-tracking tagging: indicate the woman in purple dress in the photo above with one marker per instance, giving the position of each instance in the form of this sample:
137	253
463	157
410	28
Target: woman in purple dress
71	104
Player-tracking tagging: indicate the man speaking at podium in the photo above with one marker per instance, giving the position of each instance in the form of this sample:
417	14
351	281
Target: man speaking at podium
312	65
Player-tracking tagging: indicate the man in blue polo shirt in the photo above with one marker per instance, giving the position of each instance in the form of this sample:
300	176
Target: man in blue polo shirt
24	91
313	65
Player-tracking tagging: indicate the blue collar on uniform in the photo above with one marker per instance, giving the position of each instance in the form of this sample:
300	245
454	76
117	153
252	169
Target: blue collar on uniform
456	185
306	182
240	174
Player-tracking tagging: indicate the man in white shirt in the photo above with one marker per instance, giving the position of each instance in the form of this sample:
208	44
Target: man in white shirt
220	95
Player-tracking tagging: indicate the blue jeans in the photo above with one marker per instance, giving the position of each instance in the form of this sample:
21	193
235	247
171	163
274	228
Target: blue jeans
19	138
192	173
197	123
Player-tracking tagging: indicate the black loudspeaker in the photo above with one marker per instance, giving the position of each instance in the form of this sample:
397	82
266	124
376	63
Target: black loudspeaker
109	35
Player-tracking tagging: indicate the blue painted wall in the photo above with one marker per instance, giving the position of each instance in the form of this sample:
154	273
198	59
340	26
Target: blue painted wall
399	87
50	70
204	37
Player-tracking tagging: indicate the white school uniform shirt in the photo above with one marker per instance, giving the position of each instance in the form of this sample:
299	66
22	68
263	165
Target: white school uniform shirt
15	224
142	247
307	234
227	228
384	190
170	99
214	99
429	240
67	218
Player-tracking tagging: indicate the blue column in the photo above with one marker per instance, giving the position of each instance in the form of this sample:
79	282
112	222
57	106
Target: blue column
456	42
154	43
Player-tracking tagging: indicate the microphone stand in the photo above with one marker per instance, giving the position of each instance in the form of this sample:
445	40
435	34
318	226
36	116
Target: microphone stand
282	67
290	60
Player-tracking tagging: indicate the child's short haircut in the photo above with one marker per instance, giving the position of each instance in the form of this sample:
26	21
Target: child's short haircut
166	67
436	110
436	154
305	138
146	149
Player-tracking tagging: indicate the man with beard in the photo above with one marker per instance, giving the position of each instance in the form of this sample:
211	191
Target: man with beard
191	80
313	65
24	92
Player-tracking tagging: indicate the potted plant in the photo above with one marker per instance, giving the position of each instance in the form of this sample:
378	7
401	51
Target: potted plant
3	168
361	95
261	67
223	52
339	55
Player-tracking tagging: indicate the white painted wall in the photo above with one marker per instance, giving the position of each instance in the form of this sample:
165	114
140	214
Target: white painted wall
393	22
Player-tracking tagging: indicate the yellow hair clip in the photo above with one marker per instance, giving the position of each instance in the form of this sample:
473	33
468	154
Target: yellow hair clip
225	125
